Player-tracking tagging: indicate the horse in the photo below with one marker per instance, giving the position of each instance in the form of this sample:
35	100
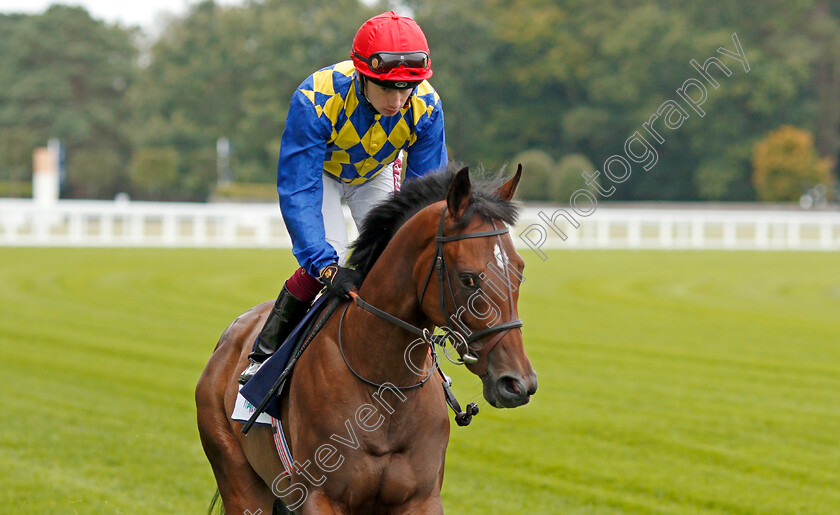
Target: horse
367	431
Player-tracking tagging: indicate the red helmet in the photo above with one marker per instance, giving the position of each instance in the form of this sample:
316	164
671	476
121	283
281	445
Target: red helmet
390	47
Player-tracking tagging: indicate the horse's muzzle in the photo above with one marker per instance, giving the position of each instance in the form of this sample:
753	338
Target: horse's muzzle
510	391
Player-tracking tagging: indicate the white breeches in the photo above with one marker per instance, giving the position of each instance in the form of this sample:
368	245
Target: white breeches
360	199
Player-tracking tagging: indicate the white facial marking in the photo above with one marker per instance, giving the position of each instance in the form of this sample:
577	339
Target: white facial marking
501	257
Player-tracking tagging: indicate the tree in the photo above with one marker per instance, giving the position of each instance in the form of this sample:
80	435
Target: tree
563	77
154	171
16	146
538	168
63	74
230	72
824	30
95	172
716	177
550	181
582	77
786	164
569	177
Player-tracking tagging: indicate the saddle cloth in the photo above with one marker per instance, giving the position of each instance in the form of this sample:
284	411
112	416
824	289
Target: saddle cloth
243	410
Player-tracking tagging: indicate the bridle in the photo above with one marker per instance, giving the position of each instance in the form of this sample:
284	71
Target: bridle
445	285
439	264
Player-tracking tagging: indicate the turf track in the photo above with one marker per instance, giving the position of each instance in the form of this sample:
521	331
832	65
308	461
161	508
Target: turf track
670	382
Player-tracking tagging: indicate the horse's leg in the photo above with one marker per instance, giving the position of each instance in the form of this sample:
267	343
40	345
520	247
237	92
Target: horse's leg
243	491
241	488
317	503
428	506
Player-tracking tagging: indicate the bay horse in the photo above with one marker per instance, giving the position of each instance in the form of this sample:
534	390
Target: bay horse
367	433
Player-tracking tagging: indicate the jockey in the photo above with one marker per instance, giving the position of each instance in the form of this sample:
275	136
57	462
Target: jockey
346	128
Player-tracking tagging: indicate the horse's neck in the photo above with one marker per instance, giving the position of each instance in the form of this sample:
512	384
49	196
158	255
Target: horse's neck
390	286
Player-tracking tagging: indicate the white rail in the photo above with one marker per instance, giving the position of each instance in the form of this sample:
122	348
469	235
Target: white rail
141	224
685	228
165	224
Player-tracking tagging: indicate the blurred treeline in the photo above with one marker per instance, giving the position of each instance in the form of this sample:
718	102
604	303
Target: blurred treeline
559	85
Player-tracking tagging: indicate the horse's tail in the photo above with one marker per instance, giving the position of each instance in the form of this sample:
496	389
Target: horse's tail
215	505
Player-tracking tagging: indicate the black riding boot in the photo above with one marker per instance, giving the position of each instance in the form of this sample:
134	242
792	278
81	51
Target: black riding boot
288	310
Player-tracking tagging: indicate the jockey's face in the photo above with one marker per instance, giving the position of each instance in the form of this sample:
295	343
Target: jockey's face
386	101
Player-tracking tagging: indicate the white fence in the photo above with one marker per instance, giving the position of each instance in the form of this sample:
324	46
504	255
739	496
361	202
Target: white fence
158	224
93	223
680	228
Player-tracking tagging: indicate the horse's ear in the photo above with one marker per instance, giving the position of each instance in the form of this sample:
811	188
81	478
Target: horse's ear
460	190
507	189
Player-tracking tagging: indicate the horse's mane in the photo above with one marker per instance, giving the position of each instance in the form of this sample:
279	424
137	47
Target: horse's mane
384	220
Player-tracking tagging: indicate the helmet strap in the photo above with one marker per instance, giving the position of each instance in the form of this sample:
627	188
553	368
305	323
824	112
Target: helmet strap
362	84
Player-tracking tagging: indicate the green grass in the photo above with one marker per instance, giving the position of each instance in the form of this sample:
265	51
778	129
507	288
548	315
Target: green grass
670	382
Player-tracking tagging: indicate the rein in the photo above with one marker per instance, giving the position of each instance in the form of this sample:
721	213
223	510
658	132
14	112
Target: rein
366	381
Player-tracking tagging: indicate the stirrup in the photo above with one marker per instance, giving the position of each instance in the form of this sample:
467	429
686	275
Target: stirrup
249	372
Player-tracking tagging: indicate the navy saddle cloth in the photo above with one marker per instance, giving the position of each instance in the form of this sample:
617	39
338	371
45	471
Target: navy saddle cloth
257	388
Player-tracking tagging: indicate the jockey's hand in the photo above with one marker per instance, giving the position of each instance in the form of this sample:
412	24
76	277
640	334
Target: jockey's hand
340	280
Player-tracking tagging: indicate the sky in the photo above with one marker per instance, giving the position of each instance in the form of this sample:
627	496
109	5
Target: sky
145	13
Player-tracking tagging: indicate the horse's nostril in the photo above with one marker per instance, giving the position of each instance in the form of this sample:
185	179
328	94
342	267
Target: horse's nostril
510	386
514	387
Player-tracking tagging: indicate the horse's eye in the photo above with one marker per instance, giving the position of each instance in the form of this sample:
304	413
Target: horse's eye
469	280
